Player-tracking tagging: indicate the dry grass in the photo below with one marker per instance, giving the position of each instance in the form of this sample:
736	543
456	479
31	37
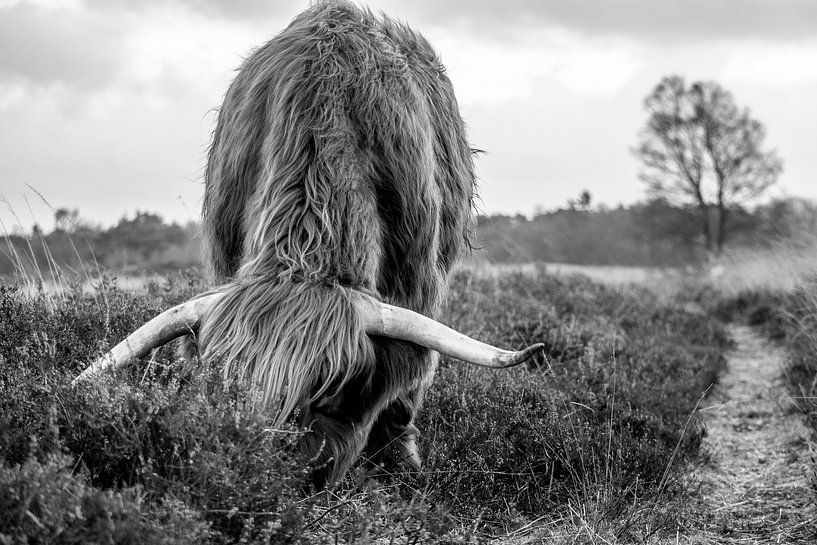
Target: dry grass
783	267
610	275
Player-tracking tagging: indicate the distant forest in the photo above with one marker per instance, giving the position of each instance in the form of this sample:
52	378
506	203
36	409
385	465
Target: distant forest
654	233
647	234
141	244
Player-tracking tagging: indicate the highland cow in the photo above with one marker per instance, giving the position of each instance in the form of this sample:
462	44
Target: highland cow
338	197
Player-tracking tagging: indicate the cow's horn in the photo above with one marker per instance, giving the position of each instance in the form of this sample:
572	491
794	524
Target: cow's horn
400	323
170	324
379	319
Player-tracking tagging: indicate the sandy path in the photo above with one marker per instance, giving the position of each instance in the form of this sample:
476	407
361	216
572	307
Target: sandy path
755	488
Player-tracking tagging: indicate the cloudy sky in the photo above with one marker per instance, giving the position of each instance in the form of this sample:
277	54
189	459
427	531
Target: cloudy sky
107	105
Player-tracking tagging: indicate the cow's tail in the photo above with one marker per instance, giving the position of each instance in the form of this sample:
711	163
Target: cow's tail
292	342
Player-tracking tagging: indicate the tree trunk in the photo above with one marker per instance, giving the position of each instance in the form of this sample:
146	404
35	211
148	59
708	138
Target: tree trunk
721	177
722	213
706	228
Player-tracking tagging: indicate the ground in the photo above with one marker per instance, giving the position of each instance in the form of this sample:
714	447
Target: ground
754	488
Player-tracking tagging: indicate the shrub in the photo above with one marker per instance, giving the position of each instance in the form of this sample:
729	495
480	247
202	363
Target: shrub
624	374
607	420
44	502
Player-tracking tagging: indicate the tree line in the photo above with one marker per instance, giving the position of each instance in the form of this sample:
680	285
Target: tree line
650	233
134	245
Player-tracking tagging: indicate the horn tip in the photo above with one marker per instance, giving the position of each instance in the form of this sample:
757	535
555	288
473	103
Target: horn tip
534	351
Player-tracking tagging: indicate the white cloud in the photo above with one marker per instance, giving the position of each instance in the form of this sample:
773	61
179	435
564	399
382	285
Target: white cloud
11	94
596	70
171	43
48	4
489	70
773	64
51	46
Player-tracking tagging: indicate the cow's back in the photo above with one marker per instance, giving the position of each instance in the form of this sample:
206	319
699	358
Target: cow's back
340	157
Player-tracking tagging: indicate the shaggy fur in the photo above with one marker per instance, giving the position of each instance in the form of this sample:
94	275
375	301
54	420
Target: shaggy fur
339	163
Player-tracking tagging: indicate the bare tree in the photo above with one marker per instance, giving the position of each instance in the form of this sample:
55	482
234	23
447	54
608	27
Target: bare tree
698	147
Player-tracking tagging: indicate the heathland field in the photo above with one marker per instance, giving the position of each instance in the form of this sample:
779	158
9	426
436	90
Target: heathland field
603	443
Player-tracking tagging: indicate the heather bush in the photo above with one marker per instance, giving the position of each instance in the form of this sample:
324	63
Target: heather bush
154	449
608	418
46	502
608	411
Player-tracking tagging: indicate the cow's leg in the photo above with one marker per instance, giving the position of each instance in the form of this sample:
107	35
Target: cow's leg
339	427
392	442
332	444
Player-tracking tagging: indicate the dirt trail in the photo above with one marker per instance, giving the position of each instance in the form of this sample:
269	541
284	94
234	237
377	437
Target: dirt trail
755	488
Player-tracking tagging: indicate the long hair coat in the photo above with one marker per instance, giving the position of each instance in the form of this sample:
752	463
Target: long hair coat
339	162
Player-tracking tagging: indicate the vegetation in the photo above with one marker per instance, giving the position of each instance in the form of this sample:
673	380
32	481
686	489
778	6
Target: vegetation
701	149
595	439
796	320
144	243
654	233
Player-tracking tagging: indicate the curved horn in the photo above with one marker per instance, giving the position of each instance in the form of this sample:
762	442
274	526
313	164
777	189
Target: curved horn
378	318
400	323
170	324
